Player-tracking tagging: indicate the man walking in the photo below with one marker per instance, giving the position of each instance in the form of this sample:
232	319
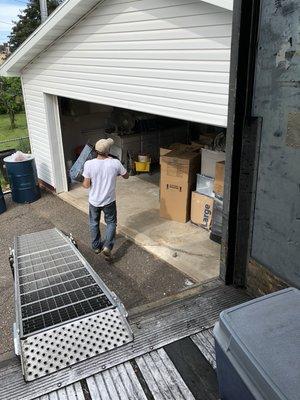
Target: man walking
100	175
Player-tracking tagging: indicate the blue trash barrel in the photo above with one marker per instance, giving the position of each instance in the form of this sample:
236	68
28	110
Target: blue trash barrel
23	180
2	202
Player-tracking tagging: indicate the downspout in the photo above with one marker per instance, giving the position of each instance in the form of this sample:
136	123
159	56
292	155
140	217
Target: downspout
44	10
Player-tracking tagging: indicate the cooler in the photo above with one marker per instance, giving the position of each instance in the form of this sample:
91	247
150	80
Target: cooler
258	348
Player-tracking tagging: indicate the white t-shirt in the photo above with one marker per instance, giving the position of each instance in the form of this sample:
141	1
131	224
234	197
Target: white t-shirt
103	175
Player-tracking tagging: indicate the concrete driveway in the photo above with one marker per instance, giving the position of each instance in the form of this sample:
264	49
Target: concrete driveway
186	247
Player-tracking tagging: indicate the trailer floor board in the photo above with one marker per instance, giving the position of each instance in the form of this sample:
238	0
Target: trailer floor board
153	329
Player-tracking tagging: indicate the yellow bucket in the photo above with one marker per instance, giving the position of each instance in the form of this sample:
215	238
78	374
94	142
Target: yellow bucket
142	166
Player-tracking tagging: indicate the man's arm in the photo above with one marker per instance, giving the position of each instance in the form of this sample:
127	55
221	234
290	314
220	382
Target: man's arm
86	183
122	171
125	176
86	176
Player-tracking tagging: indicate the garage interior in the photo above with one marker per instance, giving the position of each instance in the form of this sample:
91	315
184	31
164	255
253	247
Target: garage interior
187	246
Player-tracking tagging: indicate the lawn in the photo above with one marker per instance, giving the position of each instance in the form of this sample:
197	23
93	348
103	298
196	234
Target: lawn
9	134
13	136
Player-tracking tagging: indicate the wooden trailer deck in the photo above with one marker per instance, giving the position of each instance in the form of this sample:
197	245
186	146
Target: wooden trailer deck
172	357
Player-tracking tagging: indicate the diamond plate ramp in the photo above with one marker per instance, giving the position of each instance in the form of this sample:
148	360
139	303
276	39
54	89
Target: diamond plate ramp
64	311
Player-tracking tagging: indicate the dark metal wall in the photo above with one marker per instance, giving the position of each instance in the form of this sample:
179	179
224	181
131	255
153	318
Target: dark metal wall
276	222
242	145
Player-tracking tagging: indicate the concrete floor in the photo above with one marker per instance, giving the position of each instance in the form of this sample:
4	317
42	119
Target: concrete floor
135	275
185	246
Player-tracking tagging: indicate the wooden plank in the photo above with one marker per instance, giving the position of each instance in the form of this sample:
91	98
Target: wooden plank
162	378
119	382
205	342
152	330
194	369
72	392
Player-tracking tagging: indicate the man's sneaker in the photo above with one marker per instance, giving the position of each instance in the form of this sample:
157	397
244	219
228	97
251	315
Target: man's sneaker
107	253
97	251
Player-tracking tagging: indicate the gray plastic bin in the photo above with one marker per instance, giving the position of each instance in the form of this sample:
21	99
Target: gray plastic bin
258	348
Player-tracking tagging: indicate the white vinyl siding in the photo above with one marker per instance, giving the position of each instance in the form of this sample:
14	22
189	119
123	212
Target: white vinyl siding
166	57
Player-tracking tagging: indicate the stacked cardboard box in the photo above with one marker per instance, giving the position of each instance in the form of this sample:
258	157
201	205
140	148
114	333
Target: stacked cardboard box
201	209
179	167
219	179
208	161
178	178
206	206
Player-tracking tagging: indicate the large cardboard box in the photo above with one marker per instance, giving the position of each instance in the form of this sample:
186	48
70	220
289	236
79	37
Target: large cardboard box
182	165
201	209
219	178
177	180
175	199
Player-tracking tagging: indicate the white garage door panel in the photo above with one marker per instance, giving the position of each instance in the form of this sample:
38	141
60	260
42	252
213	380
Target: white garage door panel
166	57
132	84
162	109
146	95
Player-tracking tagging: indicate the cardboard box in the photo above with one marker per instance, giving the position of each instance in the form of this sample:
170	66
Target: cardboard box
179	146
209	158
193	147
177	180
201	209
180	165
163	151
175	200
219	178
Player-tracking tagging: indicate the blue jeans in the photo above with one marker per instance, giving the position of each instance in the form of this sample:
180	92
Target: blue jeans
110	217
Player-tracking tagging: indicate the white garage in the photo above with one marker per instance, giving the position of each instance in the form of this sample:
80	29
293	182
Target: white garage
163	57
150	74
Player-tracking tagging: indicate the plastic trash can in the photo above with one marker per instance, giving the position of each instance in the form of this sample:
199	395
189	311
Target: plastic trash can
2	202
258	348
23	180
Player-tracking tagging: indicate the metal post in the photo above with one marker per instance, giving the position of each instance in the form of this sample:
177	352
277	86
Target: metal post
44	10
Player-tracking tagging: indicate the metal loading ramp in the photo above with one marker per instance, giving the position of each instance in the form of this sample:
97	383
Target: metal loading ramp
64	311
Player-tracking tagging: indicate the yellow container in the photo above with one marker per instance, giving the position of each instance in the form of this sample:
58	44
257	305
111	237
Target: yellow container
142	166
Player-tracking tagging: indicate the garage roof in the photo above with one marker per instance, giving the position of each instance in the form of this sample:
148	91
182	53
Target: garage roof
69	13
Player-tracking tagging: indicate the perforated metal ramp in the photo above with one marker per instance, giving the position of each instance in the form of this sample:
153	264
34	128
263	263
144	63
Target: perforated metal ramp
64	311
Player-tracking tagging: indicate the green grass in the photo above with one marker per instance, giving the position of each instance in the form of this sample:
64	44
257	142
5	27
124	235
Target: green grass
13	134
7	134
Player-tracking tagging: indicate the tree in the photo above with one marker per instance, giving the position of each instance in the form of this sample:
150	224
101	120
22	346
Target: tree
28	21
11	100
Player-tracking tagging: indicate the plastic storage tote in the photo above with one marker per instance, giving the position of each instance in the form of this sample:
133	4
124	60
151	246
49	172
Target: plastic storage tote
258	348
205	185
76	170
23	180
142	166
